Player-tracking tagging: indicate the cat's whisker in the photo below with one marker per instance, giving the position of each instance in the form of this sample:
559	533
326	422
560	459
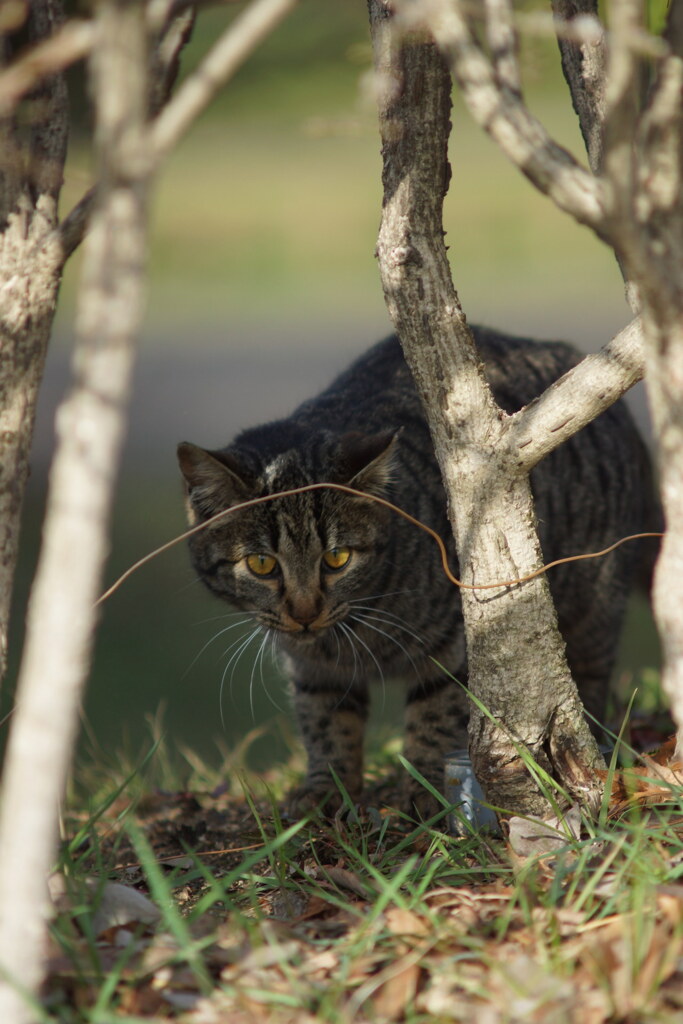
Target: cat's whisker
363	619
234	660
378	597
388	618
234	625
350	636
216	618
367	648
336	637
273	638
258	660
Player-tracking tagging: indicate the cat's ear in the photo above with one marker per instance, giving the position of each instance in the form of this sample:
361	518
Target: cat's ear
367	460
215	480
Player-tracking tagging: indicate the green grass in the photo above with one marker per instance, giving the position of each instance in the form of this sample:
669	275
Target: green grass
366	917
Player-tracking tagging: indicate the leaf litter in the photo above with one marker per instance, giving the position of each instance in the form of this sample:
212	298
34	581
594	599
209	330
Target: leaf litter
372	919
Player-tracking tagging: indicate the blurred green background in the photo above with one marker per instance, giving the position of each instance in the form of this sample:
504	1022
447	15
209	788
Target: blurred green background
263	284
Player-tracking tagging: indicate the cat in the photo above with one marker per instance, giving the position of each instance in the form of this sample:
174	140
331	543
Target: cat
355	593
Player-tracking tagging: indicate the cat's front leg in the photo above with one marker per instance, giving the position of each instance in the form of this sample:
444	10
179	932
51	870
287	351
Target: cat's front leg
332	725
435	725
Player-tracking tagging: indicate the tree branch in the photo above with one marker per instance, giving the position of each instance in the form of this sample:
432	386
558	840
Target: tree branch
577	397
503	43
232	49
622	96
504	116
70	43
177	115
584	67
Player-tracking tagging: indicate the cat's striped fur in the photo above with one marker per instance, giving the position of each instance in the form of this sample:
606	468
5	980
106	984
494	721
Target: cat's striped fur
390	609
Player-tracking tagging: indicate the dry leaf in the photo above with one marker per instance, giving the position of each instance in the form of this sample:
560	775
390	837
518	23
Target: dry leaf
651	782
396	992
344	879
532	836
115	904
405	922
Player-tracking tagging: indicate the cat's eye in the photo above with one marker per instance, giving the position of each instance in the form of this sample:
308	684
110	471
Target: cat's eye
262	565
336	558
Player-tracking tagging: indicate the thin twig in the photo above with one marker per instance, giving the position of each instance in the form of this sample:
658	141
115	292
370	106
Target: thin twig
236	44
501	112
229	53
69	44
583	65
622	100
503	43
243	505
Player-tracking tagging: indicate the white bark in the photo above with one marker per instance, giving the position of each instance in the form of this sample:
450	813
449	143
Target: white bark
578	397
31	166
633	200
644	172
516	658
90	427
502	113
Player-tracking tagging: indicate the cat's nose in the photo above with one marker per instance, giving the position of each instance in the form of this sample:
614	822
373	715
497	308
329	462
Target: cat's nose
303	612
305	618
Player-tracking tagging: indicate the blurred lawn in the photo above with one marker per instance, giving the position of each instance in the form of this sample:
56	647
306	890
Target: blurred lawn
270	206
263	230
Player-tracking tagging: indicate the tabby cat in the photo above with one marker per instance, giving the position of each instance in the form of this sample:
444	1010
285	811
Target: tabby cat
355	593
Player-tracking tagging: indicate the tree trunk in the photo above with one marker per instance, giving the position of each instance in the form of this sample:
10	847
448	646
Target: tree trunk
516	656
90	425
31	261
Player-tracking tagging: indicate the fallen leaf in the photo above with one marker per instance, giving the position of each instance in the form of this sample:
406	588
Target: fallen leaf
530	837
651	782
114	904
345	879
396	993
405	922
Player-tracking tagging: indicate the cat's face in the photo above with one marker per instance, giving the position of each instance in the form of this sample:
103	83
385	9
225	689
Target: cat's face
296	564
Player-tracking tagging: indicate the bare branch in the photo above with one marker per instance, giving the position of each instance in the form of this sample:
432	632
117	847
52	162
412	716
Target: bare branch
170	26
503	43
412	255
673	33
171	37
502	114
578	397
659	140
622	99
31	168
229	53
584	67
176	115
74	226
488	499
69	44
